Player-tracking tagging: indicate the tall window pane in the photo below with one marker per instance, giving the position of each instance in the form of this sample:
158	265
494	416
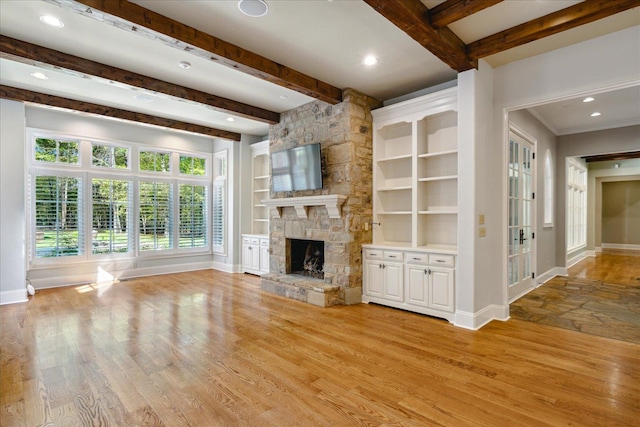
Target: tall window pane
110	214
219	200
576	204
193	216
155	220
57	216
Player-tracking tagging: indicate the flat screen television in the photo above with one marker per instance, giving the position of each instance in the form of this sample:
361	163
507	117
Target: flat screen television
296	169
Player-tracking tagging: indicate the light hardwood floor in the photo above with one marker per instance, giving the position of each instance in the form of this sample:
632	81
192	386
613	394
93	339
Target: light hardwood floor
208	348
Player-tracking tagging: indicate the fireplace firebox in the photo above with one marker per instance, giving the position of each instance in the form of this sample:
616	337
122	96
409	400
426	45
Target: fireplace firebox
305	257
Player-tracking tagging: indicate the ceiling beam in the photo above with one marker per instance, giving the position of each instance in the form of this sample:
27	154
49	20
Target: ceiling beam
562	20
454	10
143	21
21	51
613	156
23	95
412	17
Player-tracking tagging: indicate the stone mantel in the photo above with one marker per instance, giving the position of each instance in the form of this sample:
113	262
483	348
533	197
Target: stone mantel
332	202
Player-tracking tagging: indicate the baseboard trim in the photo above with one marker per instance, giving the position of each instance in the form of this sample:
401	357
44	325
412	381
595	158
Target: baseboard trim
227	268
598	249
83	279
13	297
576	259
477	320
550	274
621	246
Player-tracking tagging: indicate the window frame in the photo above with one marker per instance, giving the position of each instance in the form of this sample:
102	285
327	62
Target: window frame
548	186
87	172
576	202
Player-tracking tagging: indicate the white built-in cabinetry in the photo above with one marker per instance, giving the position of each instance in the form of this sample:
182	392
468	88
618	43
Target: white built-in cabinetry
411	263
255	254
255	245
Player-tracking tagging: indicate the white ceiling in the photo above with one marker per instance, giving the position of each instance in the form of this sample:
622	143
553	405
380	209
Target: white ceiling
324	39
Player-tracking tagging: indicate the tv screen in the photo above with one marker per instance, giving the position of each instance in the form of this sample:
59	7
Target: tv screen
296	169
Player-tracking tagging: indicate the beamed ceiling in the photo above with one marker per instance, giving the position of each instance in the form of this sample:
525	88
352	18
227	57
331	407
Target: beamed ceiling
252	69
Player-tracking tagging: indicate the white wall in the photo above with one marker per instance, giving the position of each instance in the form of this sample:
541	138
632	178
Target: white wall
600	64
13	264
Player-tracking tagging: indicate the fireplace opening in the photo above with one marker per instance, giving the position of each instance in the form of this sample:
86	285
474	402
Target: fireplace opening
305	257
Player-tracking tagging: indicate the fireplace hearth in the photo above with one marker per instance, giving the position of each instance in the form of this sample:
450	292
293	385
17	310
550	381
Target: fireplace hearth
305	257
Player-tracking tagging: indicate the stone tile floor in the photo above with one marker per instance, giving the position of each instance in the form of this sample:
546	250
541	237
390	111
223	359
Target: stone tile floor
588	305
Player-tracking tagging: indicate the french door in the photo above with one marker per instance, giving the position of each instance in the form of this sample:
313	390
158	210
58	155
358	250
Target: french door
521	244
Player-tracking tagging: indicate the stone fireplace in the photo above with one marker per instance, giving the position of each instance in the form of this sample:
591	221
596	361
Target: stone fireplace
301	222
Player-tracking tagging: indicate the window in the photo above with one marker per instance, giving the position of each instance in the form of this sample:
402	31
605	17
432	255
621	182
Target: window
576	205
111	200
219	200
58	213
89	201
193	216
56	151
155	218
194	166
548	189
109	157
155	161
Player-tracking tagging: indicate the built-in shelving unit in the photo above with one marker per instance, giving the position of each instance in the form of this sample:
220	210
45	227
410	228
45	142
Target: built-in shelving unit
260	188
411	263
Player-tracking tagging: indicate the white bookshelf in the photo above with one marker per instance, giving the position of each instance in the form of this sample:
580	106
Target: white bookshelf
260	188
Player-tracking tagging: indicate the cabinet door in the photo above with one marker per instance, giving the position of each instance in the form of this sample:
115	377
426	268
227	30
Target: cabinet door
264	258
373	278
441	288
255	257
246	256
393	284
417	285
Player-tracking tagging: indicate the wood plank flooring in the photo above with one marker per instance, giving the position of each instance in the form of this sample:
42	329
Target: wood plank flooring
209	348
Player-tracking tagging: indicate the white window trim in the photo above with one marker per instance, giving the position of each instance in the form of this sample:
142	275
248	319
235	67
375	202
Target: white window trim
548	186
570	214
86	171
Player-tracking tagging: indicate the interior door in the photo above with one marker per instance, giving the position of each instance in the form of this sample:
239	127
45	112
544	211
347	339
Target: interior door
520	261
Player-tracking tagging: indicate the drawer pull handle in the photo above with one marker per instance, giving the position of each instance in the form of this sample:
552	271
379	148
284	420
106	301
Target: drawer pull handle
392	256
415	259
440	260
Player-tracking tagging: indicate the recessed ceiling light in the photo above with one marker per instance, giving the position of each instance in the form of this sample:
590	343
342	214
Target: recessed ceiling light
370	60
253	8
184	64
39	75
231	119
284	97
589	99
52	21
596	114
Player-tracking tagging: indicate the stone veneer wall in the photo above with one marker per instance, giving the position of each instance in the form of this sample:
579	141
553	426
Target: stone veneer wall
345	133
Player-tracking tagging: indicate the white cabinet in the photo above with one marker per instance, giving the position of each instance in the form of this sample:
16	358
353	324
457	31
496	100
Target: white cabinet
383	275
255	254
414	280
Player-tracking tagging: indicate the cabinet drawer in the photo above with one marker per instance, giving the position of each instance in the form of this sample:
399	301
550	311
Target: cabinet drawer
264	242
416	258
373	253
443	260
255	241
393	256
246	240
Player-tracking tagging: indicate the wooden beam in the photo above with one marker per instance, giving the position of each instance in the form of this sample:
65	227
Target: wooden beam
24	95
21	51
562	20
454	10
412	17
149	23
613	156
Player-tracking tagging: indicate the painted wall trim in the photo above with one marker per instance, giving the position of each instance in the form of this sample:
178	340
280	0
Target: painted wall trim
475	321
620	246
550	274
83	279
13	297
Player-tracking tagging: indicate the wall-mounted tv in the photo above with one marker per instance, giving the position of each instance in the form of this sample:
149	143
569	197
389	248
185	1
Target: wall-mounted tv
296	169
